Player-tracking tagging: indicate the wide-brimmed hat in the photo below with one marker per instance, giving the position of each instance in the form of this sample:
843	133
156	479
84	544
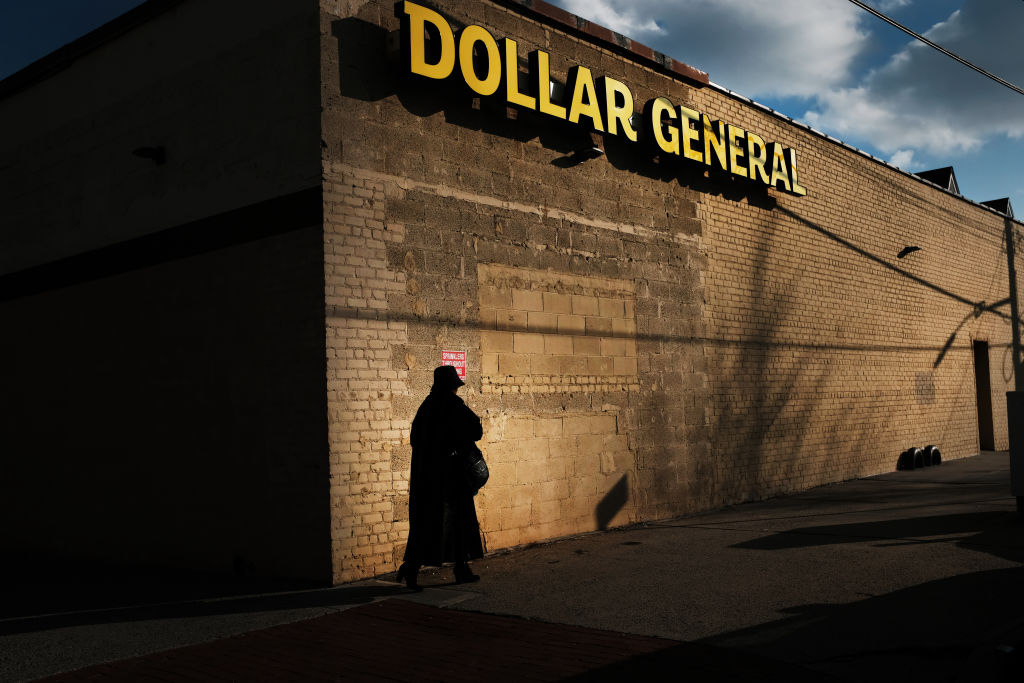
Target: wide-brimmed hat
446	378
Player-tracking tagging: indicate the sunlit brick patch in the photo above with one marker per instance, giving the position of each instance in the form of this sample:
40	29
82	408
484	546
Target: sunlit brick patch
549	332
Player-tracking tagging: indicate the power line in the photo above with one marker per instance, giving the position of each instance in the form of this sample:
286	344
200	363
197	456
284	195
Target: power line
941	49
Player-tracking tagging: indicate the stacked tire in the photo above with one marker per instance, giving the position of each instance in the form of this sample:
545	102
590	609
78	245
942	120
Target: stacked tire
913	458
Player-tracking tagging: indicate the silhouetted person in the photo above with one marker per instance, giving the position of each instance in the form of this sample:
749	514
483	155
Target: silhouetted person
442	518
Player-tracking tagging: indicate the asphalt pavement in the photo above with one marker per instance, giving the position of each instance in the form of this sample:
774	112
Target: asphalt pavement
909	576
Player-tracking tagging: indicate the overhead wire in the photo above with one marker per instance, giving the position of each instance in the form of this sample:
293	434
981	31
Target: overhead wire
941	49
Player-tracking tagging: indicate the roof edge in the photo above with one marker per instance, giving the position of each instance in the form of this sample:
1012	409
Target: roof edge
624	45
61	58
855	150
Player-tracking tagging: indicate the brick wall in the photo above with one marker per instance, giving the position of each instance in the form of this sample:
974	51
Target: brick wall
828	354
229	92
169	412
363	374
593	414
551	333
643	340
162	355
545	332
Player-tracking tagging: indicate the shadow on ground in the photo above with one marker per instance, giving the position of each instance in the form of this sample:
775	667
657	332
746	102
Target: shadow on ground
964	628
998	532
41	598
701	662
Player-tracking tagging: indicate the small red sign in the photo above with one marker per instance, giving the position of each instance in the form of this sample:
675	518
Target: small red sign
456	359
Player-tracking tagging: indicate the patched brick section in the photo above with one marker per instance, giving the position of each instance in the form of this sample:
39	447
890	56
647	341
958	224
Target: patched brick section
547	332
368	495
550	474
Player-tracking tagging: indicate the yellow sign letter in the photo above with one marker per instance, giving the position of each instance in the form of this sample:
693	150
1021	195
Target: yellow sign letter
468	38
540	67
689	124
616	114
798	189
415	19
714	141
780	170
511	78
581	84
665	134
737	149
757	155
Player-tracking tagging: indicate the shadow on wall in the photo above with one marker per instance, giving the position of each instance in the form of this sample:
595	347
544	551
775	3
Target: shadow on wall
768	417
367	74
977	308
1012	241
612	503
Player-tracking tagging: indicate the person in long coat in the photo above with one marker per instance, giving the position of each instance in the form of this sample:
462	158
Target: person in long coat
442	517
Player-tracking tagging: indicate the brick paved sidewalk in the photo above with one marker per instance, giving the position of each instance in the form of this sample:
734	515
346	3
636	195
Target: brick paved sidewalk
397	640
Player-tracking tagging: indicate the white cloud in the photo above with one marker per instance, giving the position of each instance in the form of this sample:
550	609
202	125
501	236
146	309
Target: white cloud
903	158
919	103
621	17
890	5
925	101
778	48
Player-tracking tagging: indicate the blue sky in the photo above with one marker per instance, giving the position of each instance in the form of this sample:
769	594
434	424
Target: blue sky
825	62
836	67
30	30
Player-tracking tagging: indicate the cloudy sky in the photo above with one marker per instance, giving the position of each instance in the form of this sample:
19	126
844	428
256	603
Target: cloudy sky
836	67
825	62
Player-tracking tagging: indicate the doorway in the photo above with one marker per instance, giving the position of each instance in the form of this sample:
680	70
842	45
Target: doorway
986	434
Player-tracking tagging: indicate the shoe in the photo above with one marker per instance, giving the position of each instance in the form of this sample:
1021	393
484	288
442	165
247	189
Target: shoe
463	574
408	574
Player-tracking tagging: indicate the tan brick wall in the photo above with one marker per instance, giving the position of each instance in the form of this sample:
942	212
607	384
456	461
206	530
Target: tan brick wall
584	427
546	332
643	340
362	378
163	399
828	355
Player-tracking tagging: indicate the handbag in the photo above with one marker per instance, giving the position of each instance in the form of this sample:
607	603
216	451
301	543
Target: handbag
476	470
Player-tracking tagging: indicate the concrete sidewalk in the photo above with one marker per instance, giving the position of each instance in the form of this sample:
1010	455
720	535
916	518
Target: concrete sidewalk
396	640
910	576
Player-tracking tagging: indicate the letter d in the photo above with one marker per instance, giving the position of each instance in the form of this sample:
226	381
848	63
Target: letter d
414	33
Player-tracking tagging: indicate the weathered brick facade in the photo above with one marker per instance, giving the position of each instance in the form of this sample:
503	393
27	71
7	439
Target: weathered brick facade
643	341
644	338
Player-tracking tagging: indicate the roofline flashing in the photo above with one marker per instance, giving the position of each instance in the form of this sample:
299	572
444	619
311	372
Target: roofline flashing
725	91
54	62
60	59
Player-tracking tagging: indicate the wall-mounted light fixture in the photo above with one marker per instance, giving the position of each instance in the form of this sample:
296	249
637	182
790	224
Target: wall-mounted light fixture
578	156
907	250
586	153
